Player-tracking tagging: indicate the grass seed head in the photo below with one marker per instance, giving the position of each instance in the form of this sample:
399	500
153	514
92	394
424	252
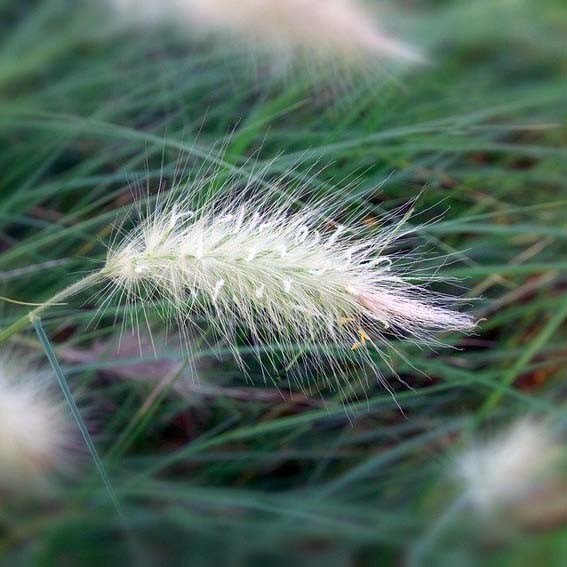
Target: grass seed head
35	432
506	469
255	264
334	30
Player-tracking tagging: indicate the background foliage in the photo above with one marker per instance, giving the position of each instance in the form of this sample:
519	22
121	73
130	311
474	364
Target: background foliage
228	470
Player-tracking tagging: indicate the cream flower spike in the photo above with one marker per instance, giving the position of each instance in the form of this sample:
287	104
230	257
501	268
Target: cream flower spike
256	264
507	468
337	30
35	431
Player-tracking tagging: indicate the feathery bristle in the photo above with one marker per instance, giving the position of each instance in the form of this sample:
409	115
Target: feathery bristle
282	275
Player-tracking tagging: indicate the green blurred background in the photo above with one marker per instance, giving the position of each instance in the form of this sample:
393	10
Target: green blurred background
226	470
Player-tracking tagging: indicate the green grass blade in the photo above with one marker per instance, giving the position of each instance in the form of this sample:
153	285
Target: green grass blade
43	339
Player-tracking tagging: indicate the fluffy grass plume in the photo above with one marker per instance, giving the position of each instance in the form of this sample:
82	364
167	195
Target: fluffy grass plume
335	30
256	265
507	469
35	431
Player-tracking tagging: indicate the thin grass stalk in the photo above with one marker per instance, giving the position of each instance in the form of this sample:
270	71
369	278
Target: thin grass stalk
36	321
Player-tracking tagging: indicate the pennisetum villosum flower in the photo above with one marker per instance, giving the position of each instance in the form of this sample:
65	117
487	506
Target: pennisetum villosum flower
35	432
284	279
508	468
515	479
333	30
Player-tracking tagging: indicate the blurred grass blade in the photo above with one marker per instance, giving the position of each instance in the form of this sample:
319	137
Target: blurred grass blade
418	553
76	413
530	351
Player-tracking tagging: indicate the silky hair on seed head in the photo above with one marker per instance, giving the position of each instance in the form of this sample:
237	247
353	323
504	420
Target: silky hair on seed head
332	30
35	430
260	265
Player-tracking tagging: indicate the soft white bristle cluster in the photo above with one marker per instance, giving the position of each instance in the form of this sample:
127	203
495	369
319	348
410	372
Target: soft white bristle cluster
285	276
507	468
35	432
335	29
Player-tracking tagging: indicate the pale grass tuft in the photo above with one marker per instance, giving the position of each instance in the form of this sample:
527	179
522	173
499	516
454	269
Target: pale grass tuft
508	468
335	30
35	432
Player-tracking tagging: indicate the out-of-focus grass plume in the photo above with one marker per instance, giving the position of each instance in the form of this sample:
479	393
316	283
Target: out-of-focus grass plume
36	434
332	32
499	474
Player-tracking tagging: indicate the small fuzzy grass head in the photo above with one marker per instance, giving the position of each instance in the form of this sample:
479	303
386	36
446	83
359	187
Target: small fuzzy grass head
278	272
36	433
508	468
339	33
